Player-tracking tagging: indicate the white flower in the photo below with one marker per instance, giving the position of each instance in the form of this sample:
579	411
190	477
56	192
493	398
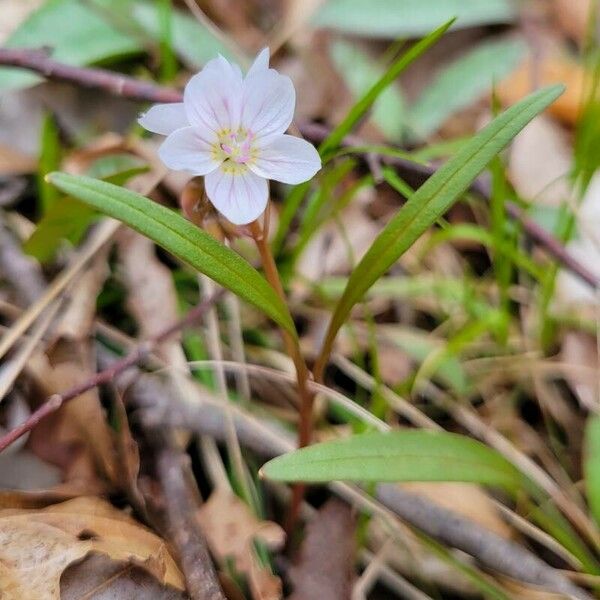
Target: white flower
231	129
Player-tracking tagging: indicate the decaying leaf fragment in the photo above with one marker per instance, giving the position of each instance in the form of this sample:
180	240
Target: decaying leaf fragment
36	546
230	528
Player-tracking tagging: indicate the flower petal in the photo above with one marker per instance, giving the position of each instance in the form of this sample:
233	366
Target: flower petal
241	197
268	103
287	159
261	62
188	149
164	118
212	98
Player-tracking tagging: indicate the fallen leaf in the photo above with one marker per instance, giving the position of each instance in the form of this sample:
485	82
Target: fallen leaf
36	546
325	569
465	499
77	319
15	162
230	528
97	577
540	162
77	438
581	349
550	70
151	295
573	17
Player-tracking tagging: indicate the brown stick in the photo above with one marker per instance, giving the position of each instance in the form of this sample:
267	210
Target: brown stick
134	89
174	474
119	85
55	401
173	510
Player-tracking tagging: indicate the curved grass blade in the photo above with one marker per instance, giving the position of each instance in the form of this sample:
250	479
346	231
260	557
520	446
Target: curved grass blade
430	202
411	455
180	237
364	104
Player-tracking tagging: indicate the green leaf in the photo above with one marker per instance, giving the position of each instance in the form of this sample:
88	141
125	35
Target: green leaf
366	101
67	218
420	345
432	200
592	464
180	237
392	19
411	455
192	42
77	35
360	72
462	83
49	161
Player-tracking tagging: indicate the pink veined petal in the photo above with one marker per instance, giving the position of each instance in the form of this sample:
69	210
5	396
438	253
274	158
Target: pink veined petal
241	197
261	62
287	159
268	103
188	149
164	118
212	98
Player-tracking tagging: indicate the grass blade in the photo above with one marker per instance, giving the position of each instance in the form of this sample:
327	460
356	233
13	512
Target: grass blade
365	103
430	202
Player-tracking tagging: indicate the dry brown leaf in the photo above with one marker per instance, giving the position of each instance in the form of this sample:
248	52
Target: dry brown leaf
97	577
36	546
230	528
77	438
540	161
464	499
78	316
325	569
573	17
552	69
581	349
151	298
327	253
15	162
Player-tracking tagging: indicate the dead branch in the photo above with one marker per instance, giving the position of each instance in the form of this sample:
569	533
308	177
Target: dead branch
177	505
40	62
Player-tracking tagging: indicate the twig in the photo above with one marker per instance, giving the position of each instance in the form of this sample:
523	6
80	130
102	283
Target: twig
174	473
40	62
268	440
176	507
134	89
55	401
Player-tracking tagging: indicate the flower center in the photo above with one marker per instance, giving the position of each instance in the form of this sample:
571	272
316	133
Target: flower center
236	147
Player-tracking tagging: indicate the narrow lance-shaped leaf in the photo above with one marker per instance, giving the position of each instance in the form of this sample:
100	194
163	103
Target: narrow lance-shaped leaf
412	455
431	201
364	104
592	465
180	237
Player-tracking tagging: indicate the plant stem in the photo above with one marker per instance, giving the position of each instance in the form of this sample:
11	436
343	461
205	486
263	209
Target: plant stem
305	425
291	344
